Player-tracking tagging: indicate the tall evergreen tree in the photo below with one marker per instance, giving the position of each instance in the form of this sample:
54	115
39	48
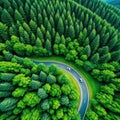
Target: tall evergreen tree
38	42
105	58
33	26
103	50
40	19
52	21
48	45
39	33
115	55
27	28
95	58
71	32
92	34
3	32
95	43
104	39
6	17
113	42
26	37
48	36
33	39
87	50
60	26
18	16
77	29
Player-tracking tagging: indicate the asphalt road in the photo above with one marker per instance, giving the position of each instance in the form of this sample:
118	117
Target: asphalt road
83	86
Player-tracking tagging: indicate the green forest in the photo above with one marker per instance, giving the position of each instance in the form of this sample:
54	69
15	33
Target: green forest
84	32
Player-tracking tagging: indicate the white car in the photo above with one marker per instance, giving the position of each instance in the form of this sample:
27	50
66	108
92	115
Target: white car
68	68
80	79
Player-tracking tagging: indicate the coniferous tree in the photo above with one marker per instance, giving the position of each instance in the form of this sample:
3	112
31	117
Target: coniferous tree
33	39
22	12
86	20
81	26
87	50
6	17
115	55
21	31
57	38
103	50
95	58
77	29
71	32
48	45
52	21
27	10
38	42
18	16
95	43
39	33
60	26
48	36
32	14
27	28
26	37
113	42
33	26
40	19
3	32
104	39
92	34
105	58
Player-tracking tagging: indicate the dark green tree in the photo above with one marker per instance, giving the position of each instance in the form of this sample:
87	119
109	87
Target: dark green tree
71	32
18	16
33	26
95	58
48	45
103	50
105	58
6	17
60	26
115	55
95	43
3	32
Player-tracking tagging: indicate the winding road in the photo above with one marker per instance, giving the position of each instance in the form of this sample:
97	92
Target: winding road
81	82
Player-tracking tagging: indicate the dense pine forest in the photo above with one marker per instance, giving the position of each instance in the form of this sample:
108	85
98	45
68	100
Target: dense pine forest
84	32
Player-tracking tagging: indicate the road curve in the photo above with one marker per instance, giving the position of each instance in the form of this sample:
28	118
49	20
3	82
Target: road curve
83	86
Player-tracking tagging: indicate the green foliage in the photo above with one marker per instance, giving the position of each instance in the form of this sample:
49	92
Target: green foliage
8	104
4	94
64	100
21	80
18	92
91	115
3	32
6	17
55	90
51	79
18	16
31	99
19	48
60	26
6	86
43	76
45	105
7	76
86	34
9	67
35	84
42	93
